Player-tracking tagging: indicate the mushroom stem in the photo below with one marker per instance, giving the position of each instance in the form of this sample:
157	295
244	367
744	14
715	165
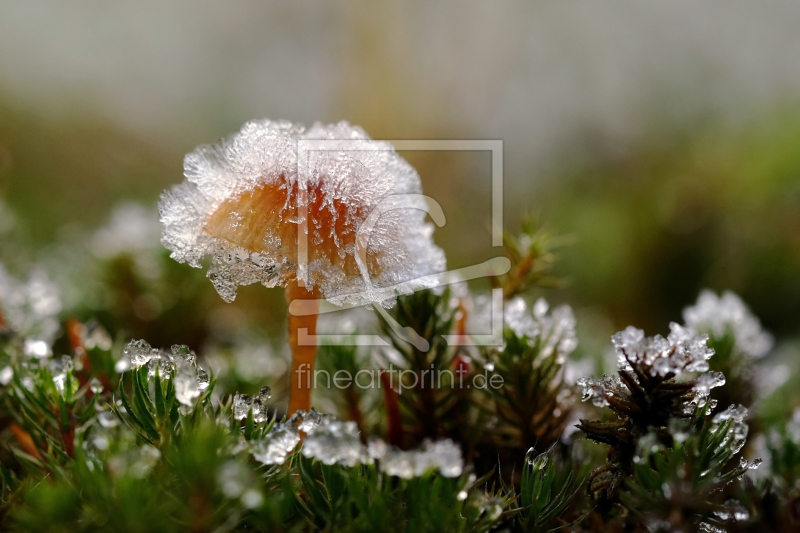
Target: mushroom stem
303	356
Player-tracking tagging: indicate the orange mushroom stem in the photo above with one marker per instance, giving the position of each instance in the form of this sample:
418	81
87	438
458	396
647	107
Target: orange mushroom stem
303	350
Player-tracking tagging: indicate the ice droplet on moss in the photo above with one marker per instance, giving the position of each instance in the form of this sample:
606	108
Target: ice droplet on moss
334	442
140	353
187	387
556	331
276	445
244	198
95	386
444	456
242	403
6	375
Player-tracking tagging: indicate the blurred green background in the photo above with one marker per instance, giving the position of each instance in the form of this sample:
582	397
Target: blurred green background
664	139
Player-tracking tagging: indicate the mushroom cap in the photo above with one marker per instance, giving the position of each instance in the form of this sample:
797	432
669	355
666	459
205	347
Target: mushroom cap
244	202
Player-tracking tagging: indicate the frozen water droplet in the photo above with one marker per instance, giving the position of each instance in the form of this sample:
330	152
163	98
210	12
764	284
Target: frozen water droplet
183	352
36	348
265	394
187	386
97	337
107	419
277	445
140	353
95	386
335	442
443	455
202	379
162	364
6	375
242	403
708	381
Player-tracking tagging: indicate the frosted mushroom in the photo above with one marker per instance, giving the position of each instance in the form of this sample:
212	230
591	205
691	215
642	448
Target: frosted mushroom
271	207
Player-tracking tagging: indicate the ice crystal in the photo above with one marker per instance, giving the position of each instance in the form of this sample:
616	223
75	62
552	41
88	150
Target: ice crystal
242	403
60	381
334	442
276	445
30	307
202	379
306	421
556	330
161	363
599	389
95	386
187	385
245	198
703	385
36	348
732	511
140	353
736	434
107	419
180	351
180	363
681	351
443	455
720	315
95	336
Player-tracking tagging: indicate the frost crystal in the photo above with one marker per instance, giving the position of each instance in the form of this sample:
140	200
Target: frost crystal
556	330
306	421
245	198
107	419
720	315
202	379
708	381
187	386
140	353
95	386
681	351
31	307
598	390
242	403
443	455
36	348
733	511
736	434
335	442
644	359
180	363
276	445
